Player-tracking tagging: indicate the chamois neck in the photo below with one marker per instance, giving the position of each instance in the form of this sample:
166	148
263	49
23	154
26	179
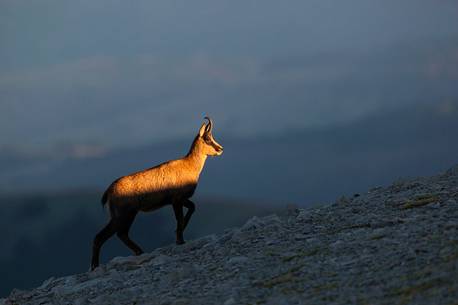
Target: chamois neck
196	157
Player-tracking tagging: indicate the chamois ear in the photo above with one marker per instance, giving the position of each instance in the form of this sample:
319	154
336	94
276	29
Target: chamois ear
202	129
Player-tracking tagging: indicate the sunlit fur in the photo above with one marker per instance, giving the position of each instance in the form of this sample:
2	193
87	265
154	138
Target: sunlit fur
172	182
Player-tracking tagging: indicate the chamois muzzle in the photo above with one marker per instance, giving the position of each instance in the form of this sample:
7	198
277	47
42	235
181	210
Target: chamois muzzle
219	150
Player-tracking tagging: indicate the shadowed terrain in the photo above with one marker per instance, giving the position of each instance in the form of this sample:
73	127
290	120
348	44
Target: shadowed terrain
51	235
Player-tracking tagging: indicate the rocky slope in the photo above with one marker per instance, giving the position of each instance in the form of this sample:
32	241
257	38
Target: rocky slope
394	245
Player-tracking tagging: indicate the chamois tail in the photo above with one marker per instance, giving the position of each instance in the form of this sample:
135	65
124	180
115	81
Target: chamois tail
105	196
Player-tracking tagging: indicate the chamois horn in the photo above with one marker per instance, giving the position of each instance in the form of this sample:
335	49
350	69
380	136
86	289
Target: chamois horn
209	125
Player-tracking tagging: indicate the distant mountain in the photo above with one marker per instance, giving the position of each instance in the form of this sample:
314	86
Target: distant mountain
301	166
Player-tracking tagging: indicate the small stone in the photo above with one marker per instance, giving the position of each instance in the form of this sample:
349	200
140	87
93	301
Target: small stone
252	224
238	260
70	281
160	260
98	272
450	201
230	301
82	301
17	292
451	224
375	189
300	236
378	234
46	283
337	244
119	260
303	215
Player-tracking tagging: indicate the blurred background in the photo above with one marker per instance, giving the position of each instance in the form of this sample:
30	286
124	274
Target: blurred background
311	100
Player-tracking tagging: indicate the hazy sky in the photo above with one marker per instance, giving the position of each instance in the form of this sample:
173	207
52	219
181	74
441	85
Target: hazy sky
116	73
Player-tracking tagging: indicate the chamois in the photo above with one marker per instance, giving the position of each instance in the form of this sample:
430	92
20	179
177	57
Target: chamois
172	182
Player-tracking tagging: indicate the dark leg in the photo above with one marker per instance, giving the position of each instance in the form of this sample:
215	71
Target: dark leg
178	209
123	233
191	208
99	239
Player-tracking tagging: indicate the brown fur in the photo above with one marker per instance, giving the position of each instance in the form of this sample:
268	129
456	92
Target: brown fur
172	182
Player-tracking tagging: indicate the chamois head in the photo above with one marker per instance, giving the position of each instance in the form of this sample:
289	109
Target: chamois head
206	142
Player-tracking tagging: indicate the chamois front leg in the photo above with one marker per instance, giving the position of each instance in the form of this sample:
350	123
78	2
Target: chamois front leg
191	208
178	209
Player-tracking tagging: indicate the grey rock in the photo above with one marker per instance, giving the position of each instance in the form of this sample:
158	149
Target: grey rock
238	260
160	260
450	201
252	224
364	250
230	301
46	284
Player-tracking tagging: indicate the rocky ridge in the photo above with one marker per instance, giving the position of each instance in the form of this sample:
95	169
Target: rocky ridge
393	245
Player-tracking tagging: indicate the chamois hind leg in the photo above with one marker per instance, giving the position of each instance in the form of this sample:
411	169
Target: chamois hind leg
178	209
123	232
191	208
108	231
